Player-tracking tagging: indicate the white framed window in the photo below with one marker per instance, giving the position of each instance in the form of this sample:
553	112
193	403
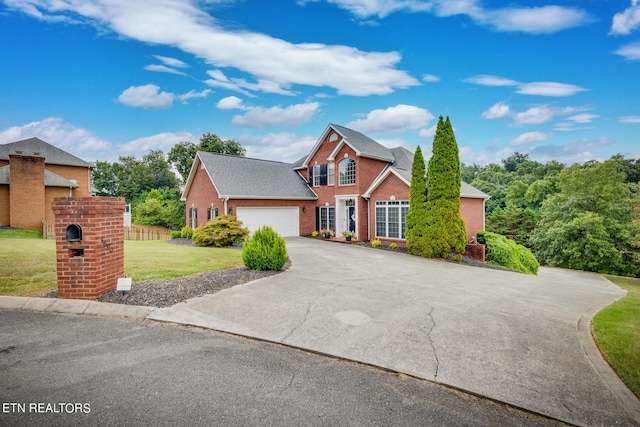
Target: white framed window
327	217
331	173
316	176
347	171
391	218
194	218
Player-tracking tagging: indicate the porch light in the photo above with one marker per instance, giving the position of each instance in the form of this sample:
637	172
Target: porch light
230	211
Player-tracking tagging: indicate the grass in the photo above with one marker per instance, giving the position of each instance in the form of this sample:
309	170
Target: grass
616	330
17	233
28	265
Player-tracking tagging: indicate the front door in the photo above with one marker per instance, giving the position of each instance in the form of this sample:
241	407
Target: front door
351	218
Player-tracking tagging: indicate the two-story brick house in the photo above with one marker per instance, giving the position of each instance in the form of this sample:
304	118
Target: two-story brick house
347	182
32	174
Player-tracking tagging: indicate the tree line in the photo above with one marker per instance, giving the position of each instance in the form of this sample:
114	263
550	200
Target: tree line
151	185
583	216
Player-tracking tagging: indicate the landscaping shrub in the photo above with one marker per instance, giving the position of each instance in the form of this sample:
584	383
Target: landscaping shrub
393	246
186	232
176	234
265	250
224	230
507	253
376	243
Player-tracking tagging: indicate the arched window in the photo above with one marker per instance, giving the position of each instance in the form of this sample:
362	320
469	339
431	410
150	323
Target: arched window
347	171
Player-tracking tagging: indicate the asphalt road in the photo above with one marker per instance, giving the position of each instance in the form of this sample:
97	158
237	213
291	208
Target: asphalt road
68	370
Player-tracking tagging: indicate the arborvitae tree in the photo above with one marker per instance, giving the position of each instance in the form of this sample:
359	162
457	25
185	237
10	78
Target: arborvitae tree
445	232
417	217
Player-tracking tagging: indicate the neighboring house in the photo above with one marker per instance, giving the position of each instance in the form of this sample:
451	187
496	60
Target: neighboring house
32	173
347	182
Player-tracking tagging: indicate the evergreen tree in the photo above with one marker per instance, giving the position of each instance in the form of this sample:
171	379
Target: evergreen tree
416	219
445	232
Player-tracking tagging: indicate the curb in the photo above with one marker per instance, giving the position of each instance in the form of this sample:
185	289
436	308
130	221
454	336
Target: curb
73	306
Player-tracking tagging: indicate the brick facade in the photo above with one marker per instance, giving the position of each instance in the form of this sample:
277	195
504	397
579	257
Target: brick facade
331	149
26	201
90	267
27	195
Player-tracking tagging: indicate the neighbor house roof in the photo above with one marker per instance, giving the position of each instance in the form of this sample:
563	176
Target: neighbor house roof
37	147
237	177
50	179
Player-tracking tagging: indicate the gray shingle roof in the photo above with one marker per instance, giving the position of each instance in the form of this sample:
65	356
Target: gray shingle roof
242	177
402	166
50	179
35	146
364	145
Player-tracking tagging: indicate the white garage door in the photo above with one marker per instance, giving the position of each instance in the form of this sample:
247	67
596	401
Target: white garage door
284	220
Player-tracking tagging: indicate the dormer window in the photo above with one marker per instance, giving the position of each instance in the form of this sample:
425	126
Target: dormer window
347	171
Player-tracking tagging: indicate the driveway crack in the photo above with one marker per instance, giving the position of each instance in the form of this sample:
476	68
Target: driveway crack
433	348
304	319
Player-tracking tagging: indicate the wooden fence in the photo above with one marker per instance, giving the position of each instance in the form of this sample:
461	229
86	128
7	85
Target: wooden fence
134	232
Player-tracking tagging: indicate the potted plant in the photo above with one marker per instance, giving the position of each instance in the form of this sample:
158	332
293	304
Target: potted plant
326	233
348	235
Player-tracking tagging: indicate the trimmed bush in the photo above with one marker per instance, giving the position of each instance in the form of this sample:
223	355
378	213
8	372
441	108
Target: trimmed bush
176	234
265	250
224	230
376	243
507	253
186	232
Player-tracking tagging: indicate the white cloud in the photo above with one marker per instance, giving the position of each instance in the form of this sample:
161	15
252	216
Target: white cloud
631	52
430	78
400	118
282	147
193	94
583	118
428	133
274	65
77	141
542	114
163	69
549	89
529	138
627	21
497	111
171	62
578	151
231	103
488	80
289	117
629	119
534	88
147	96
162	141
534	20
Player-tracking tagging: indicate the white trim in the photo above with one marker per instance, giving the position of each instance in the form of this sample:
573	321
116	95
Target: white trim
380	179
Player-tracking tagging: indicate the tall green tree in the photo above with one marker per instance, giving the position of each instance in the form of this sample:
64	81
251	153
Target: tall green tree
161	208
416	218
589	224
445	232
182	154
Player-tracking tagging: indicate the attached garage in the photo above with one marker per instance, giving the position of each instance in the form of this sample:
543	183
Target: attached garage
284	220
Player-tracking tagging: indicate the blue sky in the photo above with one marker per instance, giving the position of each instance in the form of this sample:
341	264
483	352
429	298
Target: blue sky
558	79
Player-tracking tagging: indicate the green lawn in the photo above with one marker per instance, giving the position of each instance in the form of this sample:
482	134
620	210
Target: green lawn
28	265
616	330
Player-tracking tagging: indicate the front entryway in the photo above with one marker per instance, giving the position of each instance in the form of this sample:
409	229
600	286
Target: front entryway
346	215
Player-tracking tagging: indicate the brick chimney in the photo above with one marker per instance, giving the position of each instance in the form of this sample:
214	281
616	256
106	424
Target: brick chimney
27	190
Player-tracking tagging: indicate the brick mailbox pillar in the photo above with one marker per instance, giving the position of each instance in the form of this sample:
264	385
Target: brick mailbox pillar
89	245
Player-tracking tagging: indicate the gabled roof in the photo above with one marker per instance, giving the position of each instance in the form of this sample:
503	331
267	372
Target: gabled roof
360	143
401	167
237	177
37	147
50	179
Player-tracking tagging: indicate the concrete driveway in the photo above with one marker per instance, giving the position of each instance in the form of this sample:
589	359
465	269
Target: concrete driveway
519	339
